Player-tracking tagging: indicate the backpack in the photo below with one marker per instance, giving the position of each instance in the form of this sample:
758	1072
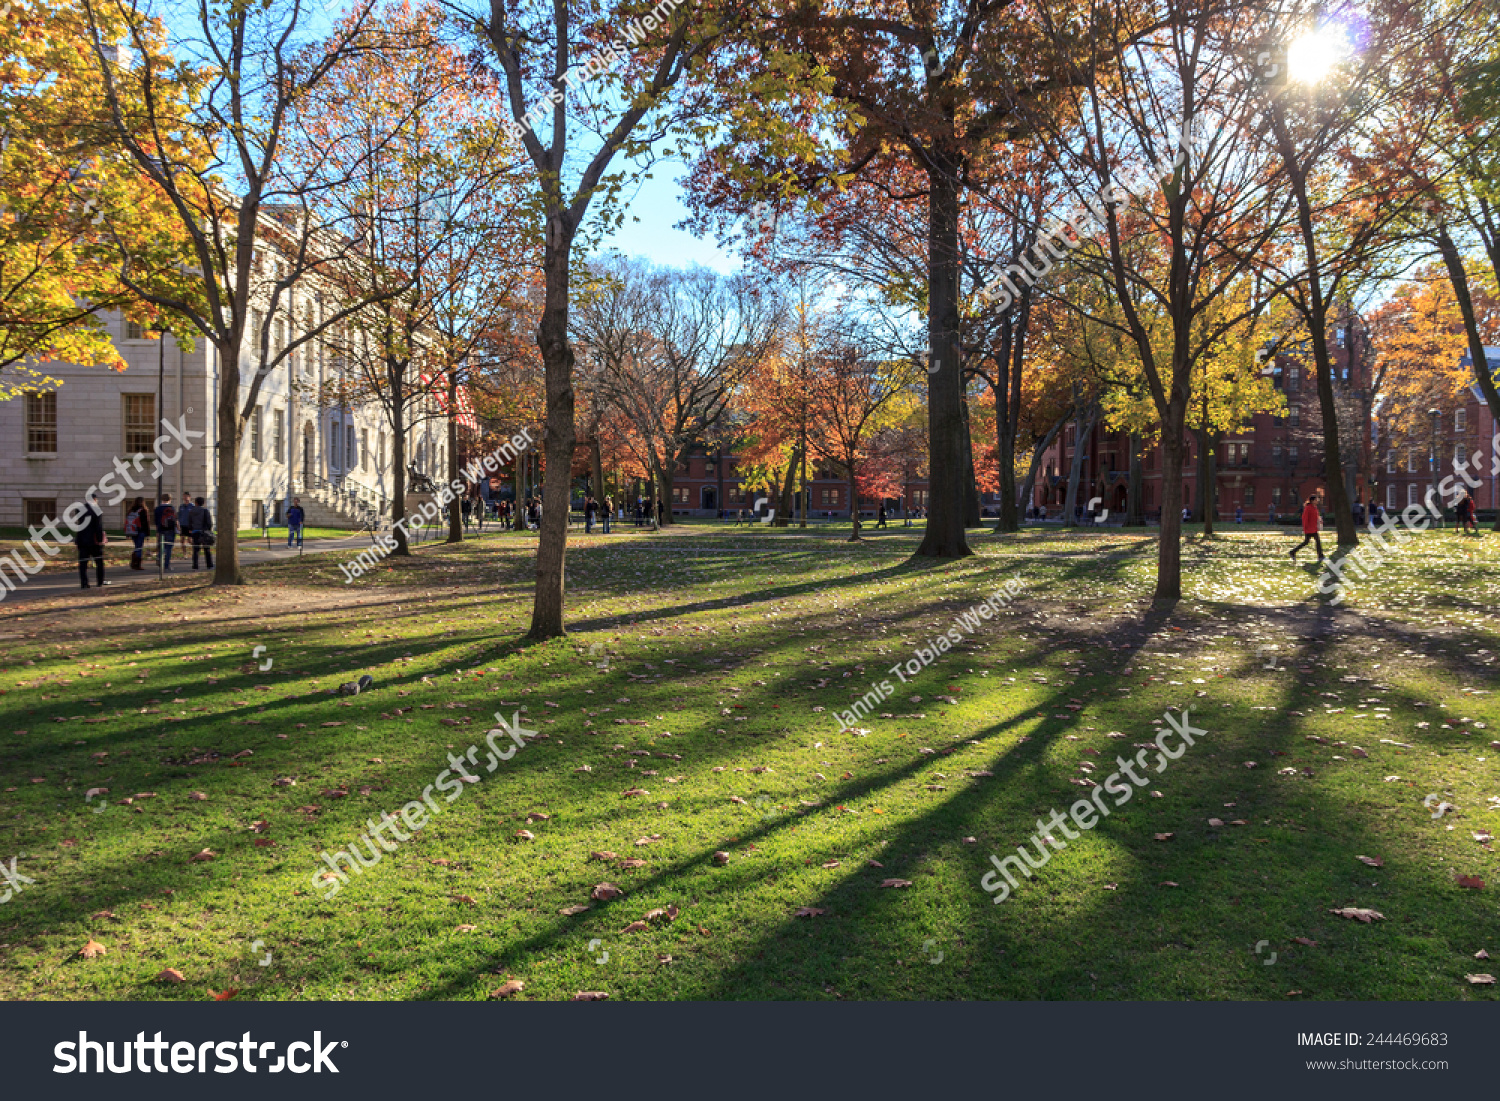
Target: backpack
133	524
168	520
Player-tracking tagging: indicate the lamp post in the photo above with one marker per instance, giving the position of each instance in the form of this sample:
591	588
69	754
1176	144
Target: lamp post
1437	502
161	371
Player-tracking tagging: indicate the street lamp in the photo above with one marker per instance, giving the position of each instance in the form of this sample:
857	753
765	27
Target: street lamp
1437	505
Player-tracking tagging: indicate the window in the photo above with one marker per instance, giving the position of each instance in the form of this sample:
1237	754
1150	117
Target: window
134	331
1294	416
349	456
1339	337
278	421
1276	453
1390	495
830	498
709	469
1460	419
1390	462
679	495
1411	461
255	419
333	445
39	510
1275	496
919	498
257	327
1291	455
1249	495
380	452
364	449
41	423
1458	452
1411	493
140	422
1293	378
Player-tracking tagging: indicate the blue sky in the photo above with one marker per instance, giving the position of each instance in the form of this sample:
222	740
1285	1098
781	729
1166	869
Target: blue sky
657	203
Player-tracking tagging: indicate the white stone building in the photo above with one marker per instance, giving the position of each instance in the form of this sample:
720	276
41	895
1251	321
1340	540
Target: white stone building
55	445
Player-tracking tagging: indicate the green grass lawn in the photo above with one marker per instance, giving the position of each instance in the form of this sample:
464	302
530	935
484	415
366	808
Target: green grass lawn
704	671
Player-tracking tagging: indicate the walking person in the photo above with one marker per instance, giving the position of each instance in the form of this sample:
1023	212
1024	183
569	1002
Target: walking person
590	507
1377	514
1466	519
1312	523
467	508
880	516
295	518
609	511
90	540
166	531
137	527
200	529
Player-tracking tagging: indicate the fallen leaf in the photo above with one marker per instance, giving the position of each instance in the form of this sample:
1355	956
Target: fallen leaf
809	911
465	899
895	883
1471	881
721	858
635	927
830	864
576	908
1358	914
1164	836
508	989
525	835
223	995
1305	941
1215	822
602	855
206	854
605	891
171	975
590	996
1481	980
197	796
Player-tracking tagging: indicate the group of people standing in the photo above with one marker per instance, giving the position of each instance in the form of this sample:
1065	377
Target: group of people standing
593	510
191	518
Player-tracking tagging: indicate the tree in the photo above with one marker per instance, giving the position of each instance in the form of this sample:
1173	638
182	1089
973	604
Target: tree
70	200
256	229
849	387
672	349
567	61
445	221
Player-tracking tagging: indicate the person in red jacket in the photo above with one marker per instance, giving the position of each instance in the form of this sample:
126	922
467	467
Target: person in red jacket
1312	523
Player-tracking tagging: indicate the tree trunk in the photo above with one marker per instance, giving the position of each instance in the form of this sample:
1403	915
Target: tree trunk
971	482
398	462
455	507
597	489
944	536
1317	323
1135	504
1007	422
666	474
1205	473
557	360
1085	426
1037	452
784	504
1461	292
227	562
1169	546
853	502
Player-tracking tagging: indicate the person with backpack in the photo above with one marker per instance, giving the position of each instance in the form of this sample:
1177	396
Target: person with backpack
1312	523
200	529
166	531
137	527
590	509
295	519
880	516
1377	514
1465	514
90	540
